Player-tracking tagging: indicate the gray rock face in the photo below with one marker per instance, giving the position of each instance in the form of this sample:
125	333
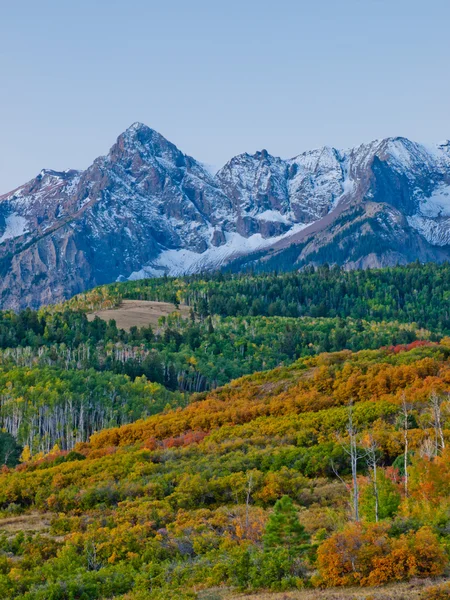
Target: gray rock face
146	209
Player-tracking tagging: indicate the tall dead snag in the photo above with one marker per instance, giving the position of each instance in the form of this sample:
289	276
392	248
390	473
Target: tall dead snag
405	415
436	415
355	456
372	463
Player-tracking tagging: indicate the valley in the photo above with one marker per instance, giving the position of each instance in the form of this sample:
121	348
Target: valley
224	300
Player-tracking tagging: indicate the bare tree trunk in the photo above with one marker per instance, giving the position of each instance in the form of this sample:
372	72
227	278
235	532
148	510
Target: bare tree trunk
355	455
354	462
436	402
372	464
405	442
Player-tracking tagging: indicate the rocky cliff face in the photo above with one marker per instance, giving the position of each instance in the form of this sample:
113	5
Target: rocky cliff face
146	209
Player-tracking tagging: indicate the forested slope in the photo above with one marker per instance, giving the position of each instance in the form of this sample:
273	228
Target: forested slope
249	487
414	293
292	431
62	377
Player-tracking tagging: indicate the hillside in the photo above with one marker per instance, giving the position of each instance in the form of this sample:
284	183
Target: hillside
206	452
224	337
232	326
411	294
146	209
190	499
65	374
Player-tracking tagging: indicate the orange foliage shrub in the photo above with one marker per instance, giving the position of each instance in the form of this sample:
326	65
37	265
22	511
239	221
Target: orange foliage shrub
310	385
364	554
103	451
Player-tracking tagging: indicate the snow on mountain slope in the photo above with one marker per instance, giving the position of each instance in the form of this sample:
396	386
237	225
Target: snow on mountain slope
146	209
432	218
257	187
317	181
186	262
15	226
437	232
438	204
38	204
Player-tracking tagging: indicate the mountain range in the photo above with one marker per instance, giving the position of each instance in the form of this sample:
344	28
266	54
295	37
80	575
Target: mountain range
147	209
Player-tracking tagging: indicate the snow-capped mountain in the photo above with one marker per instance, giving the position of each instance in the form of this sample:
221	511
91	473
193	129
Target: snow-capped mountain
146	209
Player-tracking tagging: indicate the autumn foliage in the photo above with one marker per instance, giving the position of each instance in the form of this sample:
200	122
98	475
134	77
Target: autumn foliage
249	486
364	554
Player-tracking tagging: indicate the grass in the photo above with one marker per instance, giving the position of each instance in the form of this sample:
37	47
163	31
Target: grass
411	590
32	522
138	313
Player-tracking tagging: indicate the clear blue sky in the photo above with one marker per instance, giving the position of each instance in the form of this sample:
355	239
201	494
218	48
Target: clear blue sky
217	78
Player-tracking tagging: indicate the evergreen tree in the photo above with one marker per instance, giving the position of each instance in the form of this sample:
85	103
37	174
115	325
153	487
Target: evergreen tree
284	530
10	450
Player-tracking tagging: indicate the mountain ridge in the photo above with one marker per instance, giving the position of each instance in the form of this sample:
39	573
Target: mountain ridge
147	209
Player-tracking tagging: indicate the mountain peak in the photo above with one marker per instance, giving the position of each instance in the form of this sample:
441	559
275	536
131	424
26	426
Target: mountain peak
146	208
136	126
262	154
140	131
139	139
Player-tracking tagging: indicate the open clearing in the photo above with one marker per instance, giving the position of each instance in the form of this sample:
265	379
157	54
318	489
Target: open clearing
139	313
412	590
35	522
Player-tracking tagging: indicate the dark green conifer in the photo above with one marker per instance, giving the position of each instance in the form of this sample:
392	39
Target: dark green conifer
283	529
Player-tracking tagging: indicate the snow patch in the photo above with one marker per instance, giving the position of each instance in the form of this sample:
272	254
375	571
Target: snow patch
432	219
438	204
185	262
16	226
348	185
273	216
399	152
436	232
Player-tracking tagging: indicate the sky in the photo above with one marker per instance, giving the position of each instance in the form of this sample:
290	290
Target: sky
217	78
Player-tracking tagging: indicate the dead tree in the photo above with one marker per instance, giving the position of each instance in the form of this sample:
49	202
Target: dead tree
405	414
372	463
355	456
436	415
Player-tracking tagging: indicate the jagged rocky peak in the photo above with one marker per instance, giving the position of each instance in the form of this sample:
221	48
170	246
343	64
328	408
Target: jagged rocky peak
246	167
323	158
146	208
47	179
140	136
256	182
404	154
140	140
140	147
315	183
257	187
443	153
262	154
